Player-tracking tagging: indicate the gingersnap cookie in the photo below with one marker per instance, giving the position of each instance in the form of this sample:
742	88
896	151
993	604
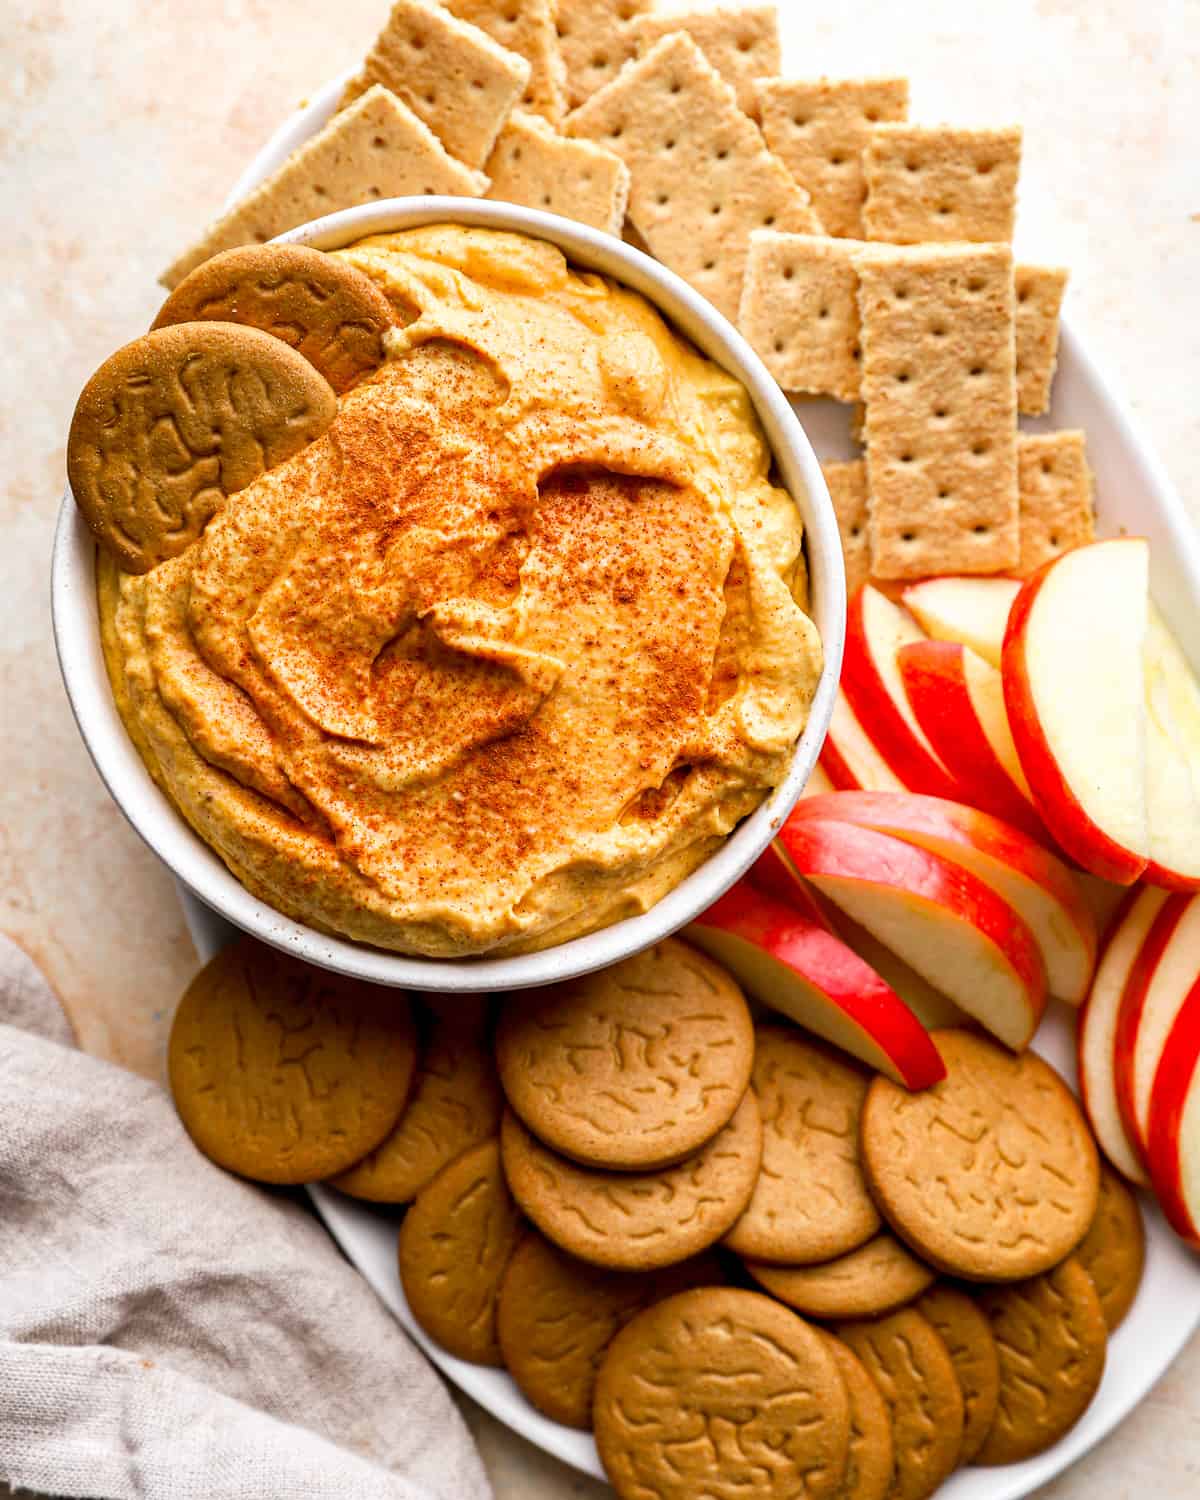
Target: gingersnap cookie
321	305
286	1073
455	1104
991	1174
967	1335
718	1392
636	1221
811	1201
871	1461
906	1358
556	1316
878	1277
1113	1252
174	422
455	1242
1052	1341
633	1067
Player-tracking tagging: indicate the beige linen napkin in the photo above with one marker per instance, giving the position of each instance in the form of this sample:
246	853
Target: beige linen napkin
168	1332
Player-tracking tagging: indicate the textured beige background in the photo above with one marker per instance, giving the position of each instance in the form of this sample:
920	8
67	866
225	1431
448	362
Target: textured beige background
122	125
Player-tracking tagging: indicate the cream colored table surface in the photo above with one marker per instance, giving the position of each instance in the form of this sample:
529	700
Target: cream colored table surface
122	125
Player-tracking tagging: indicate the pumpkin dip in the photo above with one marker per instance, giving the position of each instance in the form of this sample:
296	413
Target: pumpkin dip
507	652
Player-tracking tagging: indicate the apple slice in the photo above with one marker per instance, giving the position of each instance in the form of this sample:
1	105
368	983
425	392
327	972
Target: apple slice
958	699
875	630
1172	761
1097	1032
848	756
1074	686
793	963
818	782
971	611
1035	884
1173	1144
1162	975
952	927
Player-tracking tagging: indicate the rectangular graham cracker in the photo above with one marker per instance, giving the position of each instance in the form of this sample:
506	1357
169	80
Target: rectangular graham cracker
451	74
927	183
799	310
1055	486
939	383
848	490
703	178
377	148
741	42
1039	300
595	41
525	27
818	130
533	165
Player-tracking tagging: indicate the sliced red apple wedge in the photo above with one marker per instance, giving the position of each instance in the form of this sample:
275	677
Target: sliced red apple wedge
849	757
952	927
958	699
1158	986
793	963
1074	686
1035	884
818	783
1097	1033
1172	761
1173	1145
875	630
972	611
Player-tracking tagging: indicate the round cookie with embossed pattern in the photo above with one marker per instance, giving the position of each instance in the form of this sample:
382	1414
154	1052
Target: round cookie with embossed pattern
456	1103
992	1174
636	1221
906	1358
706	1391
286	1073
633	1067
1052	1343
967	1336
878	1277
325	308
1113	1252
179	419
871	1462
556	1316
455	1243
811	1201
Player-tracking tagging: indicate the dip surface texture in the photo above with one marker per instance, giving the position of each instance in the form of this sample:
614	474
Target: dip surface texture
504	655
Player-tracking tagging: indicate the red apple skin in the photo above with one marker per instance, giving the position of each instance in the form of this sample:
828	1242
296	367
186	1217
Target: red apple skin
936	684
1133	1003
822	847
1060	809
867	694
806	945
1176	1083
835	767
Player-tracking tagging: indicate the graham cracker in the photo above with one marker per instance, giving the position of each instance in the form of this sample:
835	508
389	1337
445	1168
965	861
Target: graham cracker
818	130
927	183
595	41
1055	487
703	178
741	42
848	490
939	383
525	27
532	164
1039	300
451	74
377	148
799	310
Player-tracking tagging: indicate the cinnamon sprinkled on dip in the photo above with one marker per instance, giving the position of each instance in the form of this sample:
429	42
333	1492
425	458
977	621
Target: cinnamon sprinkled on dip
507	652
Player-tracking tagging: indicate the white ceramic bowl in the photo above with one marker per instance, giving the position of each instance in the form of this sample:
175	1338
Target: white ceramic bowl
73	601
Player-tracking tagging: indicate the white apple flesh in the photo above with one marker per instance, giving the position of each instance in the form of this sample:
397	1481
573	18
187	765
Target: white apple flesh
971	611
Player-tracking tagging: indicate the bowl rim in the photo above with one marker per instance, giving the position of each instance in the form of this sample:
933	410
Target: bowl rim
155	819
